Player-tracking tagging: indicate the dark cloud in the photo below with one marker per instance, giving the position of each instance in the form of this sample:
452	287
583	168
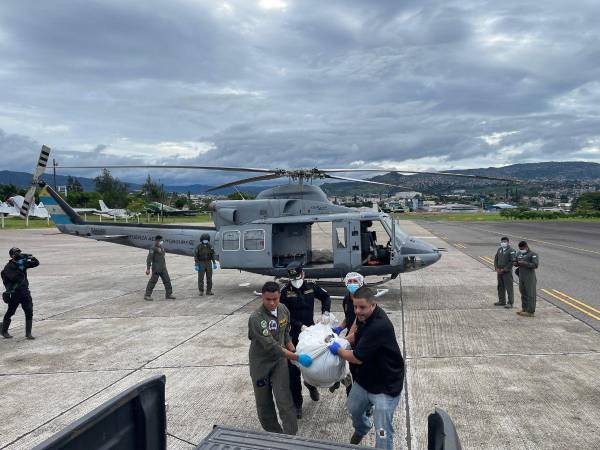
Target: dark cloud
429	84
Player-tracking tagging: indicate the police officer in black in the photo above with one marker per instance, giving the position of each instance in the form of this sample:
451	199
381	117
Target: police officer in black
14	277
298	295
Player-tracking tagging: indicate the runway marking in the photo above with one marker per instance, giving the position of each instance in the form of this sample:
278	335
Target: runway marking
545	291
486	260
538	240
577	301
460	245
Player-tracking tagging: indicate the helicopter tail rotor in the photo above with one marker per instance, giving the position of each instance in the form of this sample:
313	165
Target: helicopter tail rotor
37	173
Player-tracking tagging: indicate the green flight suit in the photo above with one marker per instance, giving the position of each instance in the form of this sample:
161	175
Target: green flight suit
269	335
528	280
504	259
204	256
156	261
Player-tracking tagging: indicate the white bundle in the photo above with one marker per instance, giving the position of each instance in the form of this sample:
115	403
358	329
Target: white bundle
326	368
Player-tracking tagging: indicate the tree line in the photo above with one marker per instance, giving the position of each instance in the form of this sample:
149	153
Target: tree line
585	206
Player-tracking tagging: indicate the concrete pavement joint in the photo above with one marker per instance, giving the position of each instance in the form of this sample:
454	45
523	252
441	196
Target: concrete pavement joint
504	355
180	439
131	317
20	374
407	405
198	366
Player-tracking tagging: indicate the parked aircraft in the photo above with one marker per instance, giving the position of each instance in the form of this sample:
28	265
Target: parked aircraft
12	208
166	210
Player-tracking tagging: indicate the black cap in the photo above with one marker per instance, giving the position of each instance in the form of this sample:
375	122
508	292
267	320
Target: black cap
205	236
295	269
158	237
523	244
13	251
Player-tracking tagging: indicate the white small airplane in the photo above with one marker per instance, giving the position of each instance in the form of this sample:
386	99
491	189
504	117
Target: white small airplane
13	205
112	212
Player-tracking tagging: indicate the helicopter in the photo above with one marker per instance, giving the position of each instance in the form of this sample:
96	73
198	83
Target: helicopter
284	224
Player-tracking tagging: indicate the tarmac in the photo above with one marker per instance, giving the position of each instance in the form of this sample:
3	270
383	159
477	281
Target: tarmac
569	254
508	382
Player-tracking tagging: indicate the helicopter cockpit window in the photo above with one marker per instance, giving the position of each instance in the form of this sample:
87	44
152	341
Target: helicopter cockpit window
341	237
254	240
231	240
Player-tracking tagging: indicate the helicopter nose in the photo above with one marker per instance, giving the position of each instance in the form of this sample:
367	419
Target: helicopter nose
432	255
418	254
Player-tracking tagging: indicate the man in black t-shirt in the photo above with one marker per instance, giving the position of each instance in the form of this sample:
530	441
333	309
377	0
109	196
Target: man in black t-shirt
378	369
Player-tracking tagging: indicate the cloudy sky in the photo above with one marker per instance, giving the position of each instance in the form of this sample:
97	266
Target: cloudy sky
298	83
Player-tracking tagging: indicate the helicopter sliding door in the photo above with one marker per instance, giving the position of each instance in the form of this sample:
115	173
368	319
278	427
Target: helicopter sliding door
346	244
244	246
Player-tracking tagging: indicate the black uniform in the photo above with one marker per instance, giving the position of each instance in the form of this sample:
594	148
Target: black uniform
375	344
349	315
15	280
301	303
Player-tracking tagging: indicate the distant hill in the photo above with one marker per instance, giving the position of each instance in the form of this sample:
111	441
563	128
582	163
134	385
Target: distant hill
23	179
551	171
539	173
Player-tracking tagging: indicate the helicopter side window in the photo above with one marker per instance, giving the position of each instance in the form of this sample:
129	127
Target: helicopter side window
231	240
254	240
341	237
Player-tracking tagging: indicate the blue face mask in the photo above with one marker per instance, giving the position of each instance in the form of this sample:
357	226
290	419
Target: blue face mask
205	242
352	287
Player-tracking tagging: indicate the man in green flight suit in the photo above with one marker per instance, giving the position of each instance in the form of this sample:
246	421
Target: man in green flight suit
503	264
270	348
156	261
204	256
527	262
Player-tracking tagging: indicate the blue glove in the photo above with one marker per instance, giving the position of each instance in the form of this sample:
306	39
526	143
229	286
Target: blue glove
197	267
334	348
337	330
304	360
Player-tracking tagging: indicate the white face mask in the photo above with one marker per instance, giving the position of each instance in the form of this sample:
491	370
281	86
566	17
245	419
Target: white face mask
503	244
522	252
161	243
297	283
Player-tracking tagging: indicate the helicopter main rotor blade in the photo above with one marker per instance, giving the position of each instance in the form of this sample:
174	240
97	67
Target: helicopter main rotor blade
358	180
245	181
414	172
170	166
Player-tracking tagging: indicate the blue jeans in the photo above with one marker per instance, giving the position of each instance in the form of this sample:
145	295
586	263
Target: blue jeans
384	407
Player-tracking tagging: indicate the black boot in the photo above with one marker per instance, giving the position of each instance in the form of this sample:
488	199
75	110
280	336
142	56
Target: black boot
313	392
28	326
5	326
